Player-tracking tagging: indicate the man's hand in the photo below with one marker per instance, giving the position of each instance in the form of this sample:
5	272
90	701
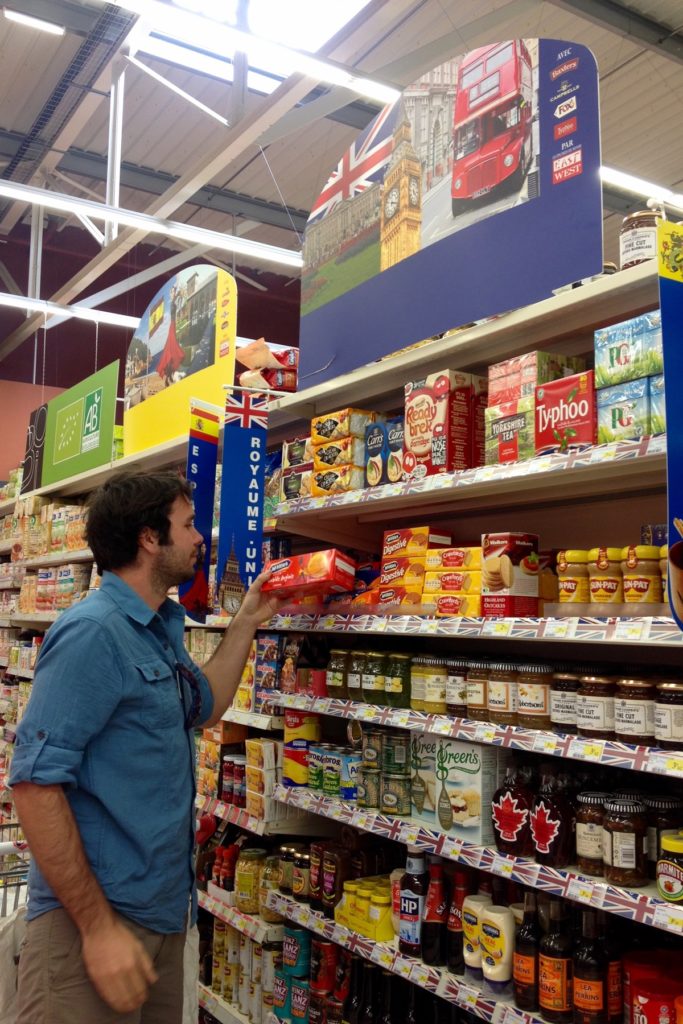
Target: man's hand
258	607
118	965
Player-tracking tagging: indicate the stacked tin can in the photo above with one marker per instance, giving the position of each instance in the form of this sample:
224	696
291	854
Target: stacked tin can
244	972
384	777
333	770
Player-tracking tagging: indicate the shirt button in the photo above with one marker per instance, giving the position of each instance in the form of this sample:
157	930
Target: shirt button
165	647
41	734
156	671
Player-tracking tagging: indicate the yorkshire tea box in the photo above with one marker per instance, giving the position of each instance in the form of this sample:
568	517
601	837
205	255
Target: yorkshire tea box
629	350
511	431
657	406
452	786
624	411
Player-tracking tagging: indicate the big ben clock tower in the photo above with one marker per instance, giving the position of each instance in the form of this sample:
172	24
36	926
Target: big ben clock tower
401	212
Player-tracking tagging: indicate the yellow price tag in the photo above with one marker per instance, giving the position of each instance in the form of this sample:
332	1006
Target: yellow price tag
409	835
674	765
504	867
594	751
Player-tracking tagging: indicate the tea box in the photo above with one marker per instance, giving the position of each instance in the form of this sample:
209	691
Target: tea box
437	424
518	377
297	452
318	572
657	404
511	432
414	540
624	411
344	423
384	452
509	574
629	350
566	414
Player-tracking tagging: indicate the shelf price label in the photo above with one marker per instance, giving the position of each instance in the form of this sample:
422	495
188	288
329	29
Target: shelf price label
420	976
326	622
383	956
587	750
502	866
634	629
544	743
485	733
497	627
580	890
452	848
559	629
409	835
403	967
663	764
669	917
429	626
366	713
466	996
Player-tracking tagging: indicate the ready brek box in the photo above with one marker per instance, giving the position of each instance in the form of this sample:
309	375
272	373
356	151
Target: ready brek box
438	424
452	786
319	572
566	414
509	574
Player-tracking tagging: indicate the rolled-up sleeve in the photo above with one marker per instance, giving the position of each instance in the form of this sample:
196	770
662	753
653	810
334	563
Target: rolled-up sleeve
77	687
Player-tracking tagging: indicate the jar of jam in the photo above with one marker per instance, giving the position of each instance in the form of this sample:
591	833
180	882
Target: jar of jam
595	707
638	238
664	818
287	854
664	570
435	680
624	843
456	687
642	577
533	696
669	715
572	577
397	681
478	691
563	689
589	821
354	674
301	877
502	693
335	676
605	577
634	711
315	885
417	683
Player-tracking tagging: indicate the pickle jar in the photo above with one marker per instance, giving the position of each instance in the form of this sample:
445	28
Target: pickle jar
373	677
533	696
590	817
572	576
669	715
335	676
624	843
418	670
605	576
478	691
270	882
595	707
456	687
354	675
502	693
642	577
248	870
634	711
397	681
435	681
563	690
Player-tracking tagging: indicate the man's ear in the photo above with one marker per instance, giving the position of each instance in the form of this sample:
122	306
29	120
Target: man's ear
148	539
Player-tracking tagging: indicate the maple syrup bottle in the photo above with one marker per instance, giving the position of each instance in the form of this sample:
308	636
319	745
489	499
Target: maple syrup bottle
590	975
525	960
511	810
555	969
552	823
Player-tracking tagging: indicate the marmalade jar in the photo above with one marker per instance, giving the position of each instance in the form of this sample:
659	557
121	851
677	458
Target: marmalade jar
418	670
533	696
605	577
572	577
641	574
502	693
435	681
624	843
477	691
354	674
372	682
634	711
456	687
335	676
563	691
595	707
669	715
589	821
638	238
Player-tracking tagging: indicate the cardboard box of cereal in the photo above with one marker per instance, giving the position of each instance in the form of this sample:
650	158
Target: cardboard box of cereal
438	424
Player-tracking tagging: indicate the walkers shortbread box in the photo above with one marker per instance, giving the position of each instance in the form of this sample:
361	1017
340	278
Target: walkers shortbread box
509	574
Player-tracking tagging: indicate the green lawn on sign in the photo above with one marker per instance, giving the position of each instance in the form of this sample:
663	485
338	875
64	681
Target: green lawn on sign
341	277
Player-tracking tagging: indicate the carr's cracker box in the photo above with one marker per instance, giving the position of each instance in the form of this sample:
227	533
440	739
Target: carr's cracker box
657	405
624	412
384	452
465	559
319	572
452	786
518	377
629	350
347	451
408	571
437	424
296	482
337	480
511	432
345	423
509	574
415	540
566	414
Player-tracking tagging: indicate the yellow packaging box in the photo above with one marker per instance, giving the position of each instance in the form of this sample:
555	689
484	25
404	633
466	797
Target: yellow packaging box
452	581
457	604
465	559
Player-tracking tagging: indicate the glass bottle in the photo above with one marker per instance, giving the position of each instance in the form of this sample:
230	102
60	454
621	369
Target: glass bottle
511	809
412	1015
454	954
525	961
555	969
552	823
335	677
435	917
386	1001
608	928
370	1005
413	890
352	1007
372	680
590	975
417	683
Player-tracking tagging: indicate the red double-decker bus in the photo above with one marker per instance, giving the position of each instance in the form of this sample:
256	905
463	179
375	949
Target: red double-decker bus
492	121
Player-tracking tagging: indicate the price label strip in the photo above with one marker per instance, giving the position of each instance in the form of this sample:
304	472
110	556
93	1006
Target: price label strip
544	743
559	629
383	956
669	917
502	866
580	890
636	629
497	627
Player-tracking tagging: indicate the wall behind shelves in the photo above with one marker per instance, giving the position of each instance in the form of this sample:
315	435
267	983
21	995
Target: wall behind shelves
17	402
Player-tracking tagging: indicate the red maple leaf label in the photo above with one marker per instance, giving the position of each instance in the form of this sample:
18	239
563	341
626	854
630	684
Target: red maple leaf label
508	817
544	829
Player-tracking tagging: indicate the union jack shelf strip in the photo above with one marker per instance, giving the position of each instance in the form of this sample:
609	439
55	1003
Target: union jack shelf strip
386	955
234	815
222	1011
254	927
607	752
641	906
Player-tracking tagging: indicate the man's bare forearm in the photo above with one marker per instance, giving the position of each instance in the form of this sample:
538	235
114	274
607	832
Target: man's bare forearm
56	846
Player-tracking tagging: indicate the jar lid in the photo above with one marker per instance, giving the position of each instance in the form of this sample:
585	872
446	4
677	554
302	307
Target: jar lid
663	803
457	662
597	681
631	217
339	650
256	853
351	885
572	555
664	551
569	677
636	684
633	552
503	666
670	686
478	665
303	856
599	555
672	844
400	657
381	898
623	806
593	799
535	669
374	654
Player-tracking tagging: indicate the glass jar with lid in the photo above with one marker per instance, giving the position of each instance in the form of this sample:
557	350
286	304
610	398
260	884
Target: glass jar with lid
417	683
533	696
456	687
572	576
354	674
634	711
248	870
664	818
335	676
624	843
590	816
605	577
638	238
664	571
669	715
270	882
287	854
642	577
397	681
435	680
478	691
301	877
372	682
595	707
502	693
563	689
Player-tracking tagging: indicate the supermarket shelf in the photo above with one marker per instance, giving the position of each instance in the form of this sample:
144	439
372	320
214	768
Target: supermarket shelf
433	979
254	720
212	622
247	924
641	905
34	620
4	662
303	824
10	584
5	546
660	631
20	673
5	622
56	558
7	506
605	752
224	1012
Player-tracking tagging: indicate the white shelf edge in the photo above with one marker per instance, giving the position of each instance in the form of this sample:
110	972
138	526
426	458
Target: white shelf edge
224	1012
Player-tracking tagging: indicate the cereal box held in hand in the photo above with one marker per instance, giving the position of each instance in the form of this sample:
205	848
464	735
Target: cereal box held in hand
509	574
566	414
318	572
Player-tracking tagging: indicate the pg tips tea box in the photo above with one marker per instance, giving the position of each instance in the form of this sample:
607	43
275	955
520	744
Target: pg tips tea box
452	786
509	574
437	424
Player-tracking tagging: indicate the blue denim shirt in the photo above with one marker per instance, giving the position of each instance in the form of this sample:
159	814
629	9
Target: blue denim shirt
106	720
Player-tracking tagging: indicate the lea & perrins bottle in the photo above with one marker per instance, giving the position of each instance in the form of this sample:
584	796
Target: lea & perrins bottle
590	975
455	960
413	890
525	959
555	969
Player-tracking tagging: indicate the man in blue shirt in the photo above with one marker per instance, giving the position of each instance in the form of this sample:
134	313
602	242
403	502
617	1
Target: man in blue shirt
103	770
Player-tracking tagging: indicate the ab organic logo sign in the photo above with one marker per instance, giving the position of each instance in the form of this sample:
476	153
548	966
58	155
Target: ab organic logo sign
77	427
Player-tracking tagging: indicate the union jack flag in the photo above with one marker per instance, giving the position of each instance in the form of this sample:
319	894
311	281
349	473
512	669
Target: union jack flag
243	408
388	828
362	164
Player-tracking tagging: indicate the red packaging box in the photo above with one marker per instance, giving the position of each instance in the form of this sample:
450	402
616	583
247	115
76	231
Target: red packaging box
318	572
414	540
566	414
437	424
480	395
509	574
404	572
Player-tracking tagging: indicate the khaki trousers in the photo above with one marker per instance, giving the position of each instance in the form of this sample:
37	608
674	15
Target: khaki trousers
55	989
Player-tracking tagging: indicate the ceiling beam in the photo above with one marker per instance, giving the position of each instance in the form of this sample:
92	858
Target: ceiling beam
638	28
77	19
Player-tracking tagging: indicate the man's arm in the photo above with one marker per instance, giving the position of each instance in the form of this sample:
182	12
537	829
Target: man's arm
116	962
224	668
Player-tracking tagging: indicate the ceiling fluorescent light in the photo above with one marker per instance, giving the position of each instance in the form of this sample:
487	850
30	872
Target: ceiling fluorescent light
26	19
203	63
96	316
152	225
640	187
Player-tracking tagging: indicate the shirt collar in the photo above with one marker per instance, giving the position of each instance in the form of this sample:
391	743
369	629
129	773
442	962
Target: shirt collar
132	605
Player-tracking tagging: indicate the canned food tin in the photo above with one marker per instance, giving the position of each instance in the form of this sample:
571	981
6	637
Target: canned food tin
272	963
296	952
317	1008
335	1011
282	995
396	753
300	999
315	767
350	765
372	748
368	787
395	794
332	762
323	965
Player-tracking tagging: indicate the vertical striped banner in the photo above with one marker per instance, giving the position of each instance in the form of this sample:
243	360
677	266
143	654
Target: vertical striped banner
202	457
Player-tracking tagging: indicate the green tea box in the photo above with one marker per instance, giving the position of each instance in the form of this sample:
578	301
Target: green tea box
657	406
510	431
629	350
624	412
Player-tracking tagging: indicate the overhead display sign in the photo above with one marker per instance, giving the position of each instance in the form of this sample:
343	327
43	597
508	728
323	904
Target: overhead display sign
477	192
184	348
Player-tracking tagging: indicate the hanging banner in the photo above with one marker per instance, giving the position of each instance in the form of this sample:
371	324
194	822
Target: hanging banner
240	528
670	251
35	448
202	458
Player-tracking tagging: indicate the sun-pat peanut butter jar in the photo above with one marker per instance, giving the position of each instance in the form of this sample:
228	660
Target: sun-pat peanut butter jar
572	576
642	574
605	577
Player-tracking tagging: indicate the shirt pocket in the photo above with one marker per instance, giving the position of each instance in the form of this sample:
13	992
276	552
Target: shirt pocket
161	706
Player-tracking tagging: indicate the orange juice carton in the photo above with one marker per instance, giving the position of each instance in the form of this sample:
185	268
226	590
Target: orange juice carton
509	574
415	540
566	414
437	424
318	572
465	559
452	581
457	604
347	451
406	571
344	423
337	480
